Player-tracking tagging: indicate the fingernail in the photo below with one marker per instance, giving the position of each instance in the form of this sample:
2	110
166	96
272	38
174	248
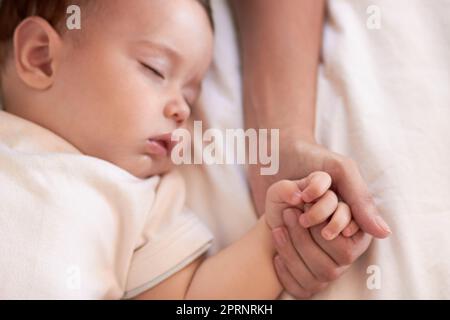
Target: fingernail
327	235
382	224
280	237
290	218
304	221
296	197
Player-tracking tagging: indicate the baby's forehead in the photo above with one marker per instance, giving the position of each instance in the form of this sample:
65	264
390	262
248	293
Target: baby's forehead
144	17
161	20
144	9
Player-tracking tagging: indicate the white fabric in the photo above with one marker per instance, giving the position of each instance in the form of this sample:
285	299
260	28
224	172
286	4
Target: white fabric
219	193
77	227
389	110
384	101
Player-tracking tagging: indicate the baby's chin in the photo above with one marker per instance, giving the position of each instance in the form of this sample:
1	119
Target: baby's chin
142	166
156	167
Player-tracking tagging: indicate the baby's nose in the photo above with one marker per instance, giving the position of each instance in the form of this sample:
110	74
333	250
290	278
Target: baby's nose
178	111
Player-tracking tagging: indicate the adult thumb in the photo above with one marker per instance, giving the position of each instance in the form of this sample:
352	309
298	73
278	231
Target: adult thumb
353	190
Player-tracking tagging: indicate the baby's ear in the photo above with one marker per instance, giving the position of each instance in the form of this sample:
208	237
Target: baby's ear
37	48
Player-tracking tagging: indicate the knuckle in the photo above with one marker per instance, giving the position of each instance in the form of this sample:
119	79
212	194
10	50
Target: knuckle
344	164
365	203
367	199
340	162
351	164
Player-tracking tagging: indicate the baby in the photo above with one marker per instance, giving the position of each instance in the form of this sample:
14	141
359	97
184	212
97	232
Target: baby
90	206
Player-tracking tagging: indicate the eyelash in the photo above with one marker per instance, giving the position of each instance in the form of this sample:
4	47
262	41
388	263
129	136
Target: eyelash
160	75
156	72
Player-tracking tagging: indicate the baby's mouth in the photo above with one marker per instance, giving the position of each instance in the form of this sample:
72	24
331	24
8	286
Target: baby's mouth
160	145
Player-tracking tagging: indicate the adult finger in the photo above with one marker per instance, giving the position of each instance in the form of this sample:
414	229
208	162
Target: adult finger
350	185
289	283
292	260
316	260
344	251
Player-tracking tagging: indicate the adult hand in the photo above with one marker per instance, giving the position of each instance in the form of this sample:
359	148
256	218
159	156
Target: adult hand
306	262
300	157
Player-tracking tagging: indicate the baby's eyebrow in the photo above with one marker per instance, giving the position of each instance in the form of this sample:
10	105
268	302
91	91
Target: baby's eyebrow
168	50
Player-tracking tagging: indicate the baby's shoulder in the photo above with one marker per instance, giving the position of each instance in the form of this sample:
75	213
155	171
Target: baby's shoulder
69	181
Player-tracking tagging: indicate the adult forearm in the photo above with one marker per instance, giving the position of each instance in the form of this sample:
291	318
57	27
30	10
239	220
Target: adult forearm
280	45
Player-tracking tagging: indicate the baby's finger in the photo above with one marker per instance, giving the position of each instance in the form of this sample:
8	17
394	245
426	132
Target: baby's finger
317	184
339	221
351	229
320	211
286	192
281	195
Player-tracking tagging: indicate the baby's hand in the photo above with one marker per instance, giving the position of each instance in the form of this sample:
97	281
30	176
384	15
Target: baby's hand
316	204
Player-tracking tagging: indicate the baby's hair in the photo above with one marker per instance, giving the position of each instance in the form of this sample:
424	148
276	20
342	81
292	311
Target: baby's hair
12	12
207	5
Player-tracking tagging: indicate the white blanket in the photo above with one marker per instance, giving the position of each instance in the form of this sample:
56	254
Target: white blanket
384	101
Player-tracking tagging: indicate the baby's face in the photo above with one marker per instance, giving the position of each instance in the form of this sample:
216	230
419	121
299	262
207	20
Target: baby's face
130	79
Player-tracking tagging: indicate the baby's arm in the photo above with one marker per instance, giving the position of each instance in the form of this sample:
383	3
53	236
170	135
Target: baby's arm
244	270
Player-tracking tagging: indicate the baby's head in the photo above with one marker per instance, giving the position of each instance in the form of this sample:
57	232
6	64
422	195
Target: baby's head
117	87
